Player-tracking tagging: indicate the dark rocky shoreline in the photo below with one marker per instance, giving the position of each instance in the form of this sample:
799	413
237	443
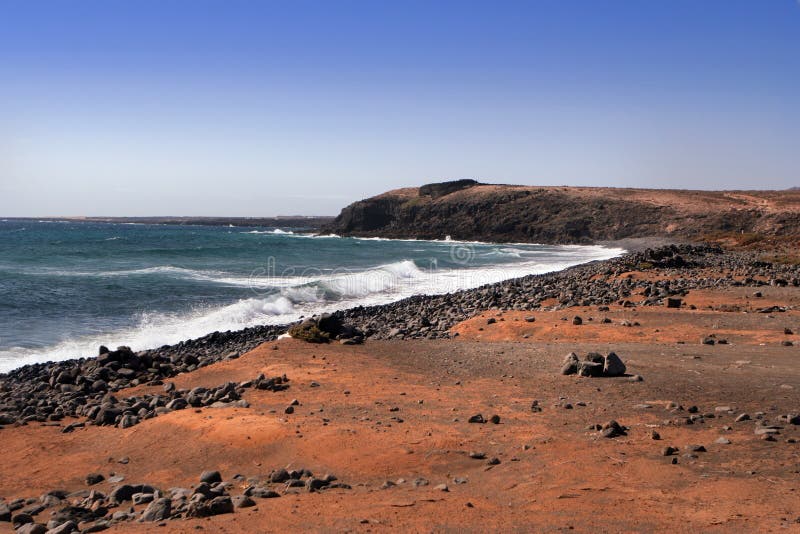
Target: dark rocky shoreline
49	392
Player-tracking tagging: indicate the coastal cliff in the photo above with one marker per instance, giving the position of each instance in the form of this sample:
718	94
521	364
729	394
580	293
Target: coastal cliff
468	210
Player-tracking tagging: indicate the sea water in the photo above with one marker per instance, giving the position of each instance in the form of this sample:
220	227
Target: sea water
68	287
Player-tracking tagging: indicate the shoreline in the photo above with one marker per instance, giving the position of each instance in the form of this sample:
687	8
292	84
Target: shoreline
406	320
386	431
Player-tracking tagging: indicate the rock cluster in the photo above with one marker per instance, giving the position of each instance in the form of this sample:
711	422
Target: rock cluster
325	328
133	410
94	511
593	364
52	391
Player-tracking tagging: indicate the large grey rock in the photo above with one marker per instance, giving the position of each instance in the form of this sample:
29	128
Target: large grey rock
570	364
64	528
613	365
32	528
20	519
210	477
216	506
158	510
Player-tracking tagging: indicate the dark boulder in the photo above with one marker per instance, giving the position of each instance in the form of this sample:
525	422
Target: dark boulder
613	365
210	477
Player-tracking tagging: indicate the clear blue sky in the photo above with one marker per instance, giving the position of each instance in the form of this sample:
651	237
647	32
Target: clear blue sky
194	107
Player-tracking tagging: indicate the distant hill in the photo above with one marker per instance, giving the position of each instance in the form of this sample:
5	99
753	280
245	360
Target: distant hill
469	210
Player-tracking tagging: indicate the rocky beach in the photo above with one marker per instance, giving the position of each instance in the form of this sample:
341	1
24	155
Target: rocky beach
372	267
660	386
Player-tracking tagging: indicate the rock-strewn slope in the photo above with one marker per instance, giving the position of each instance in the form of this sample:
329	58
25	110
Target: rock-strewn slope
504	213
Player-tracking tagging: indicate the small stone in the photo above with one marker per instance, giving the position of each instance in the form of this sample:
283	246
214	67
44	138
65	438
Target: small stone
722	441
612	429
441	487
477	455
495	419
477	418
242	501
655	435
577	321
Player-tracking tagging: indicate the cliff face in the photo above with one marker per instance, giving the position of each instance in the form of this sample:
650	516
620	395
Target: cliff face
500	213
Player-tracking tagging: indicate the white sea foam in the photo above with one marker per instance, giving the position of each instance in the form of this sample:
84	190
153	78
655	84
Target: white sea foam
276	231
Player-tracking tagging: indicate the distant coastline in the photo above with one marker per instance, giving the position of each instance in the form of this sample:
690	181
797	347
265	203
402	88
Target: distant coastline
282	221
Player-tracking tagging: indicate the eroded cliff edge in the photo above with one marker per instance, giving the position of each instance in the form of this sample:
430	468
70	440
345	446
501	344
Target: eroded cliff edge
468	210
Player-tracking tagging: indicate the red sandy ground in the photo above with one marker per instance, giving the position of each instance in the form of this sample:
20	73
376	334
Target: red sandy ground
554	474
